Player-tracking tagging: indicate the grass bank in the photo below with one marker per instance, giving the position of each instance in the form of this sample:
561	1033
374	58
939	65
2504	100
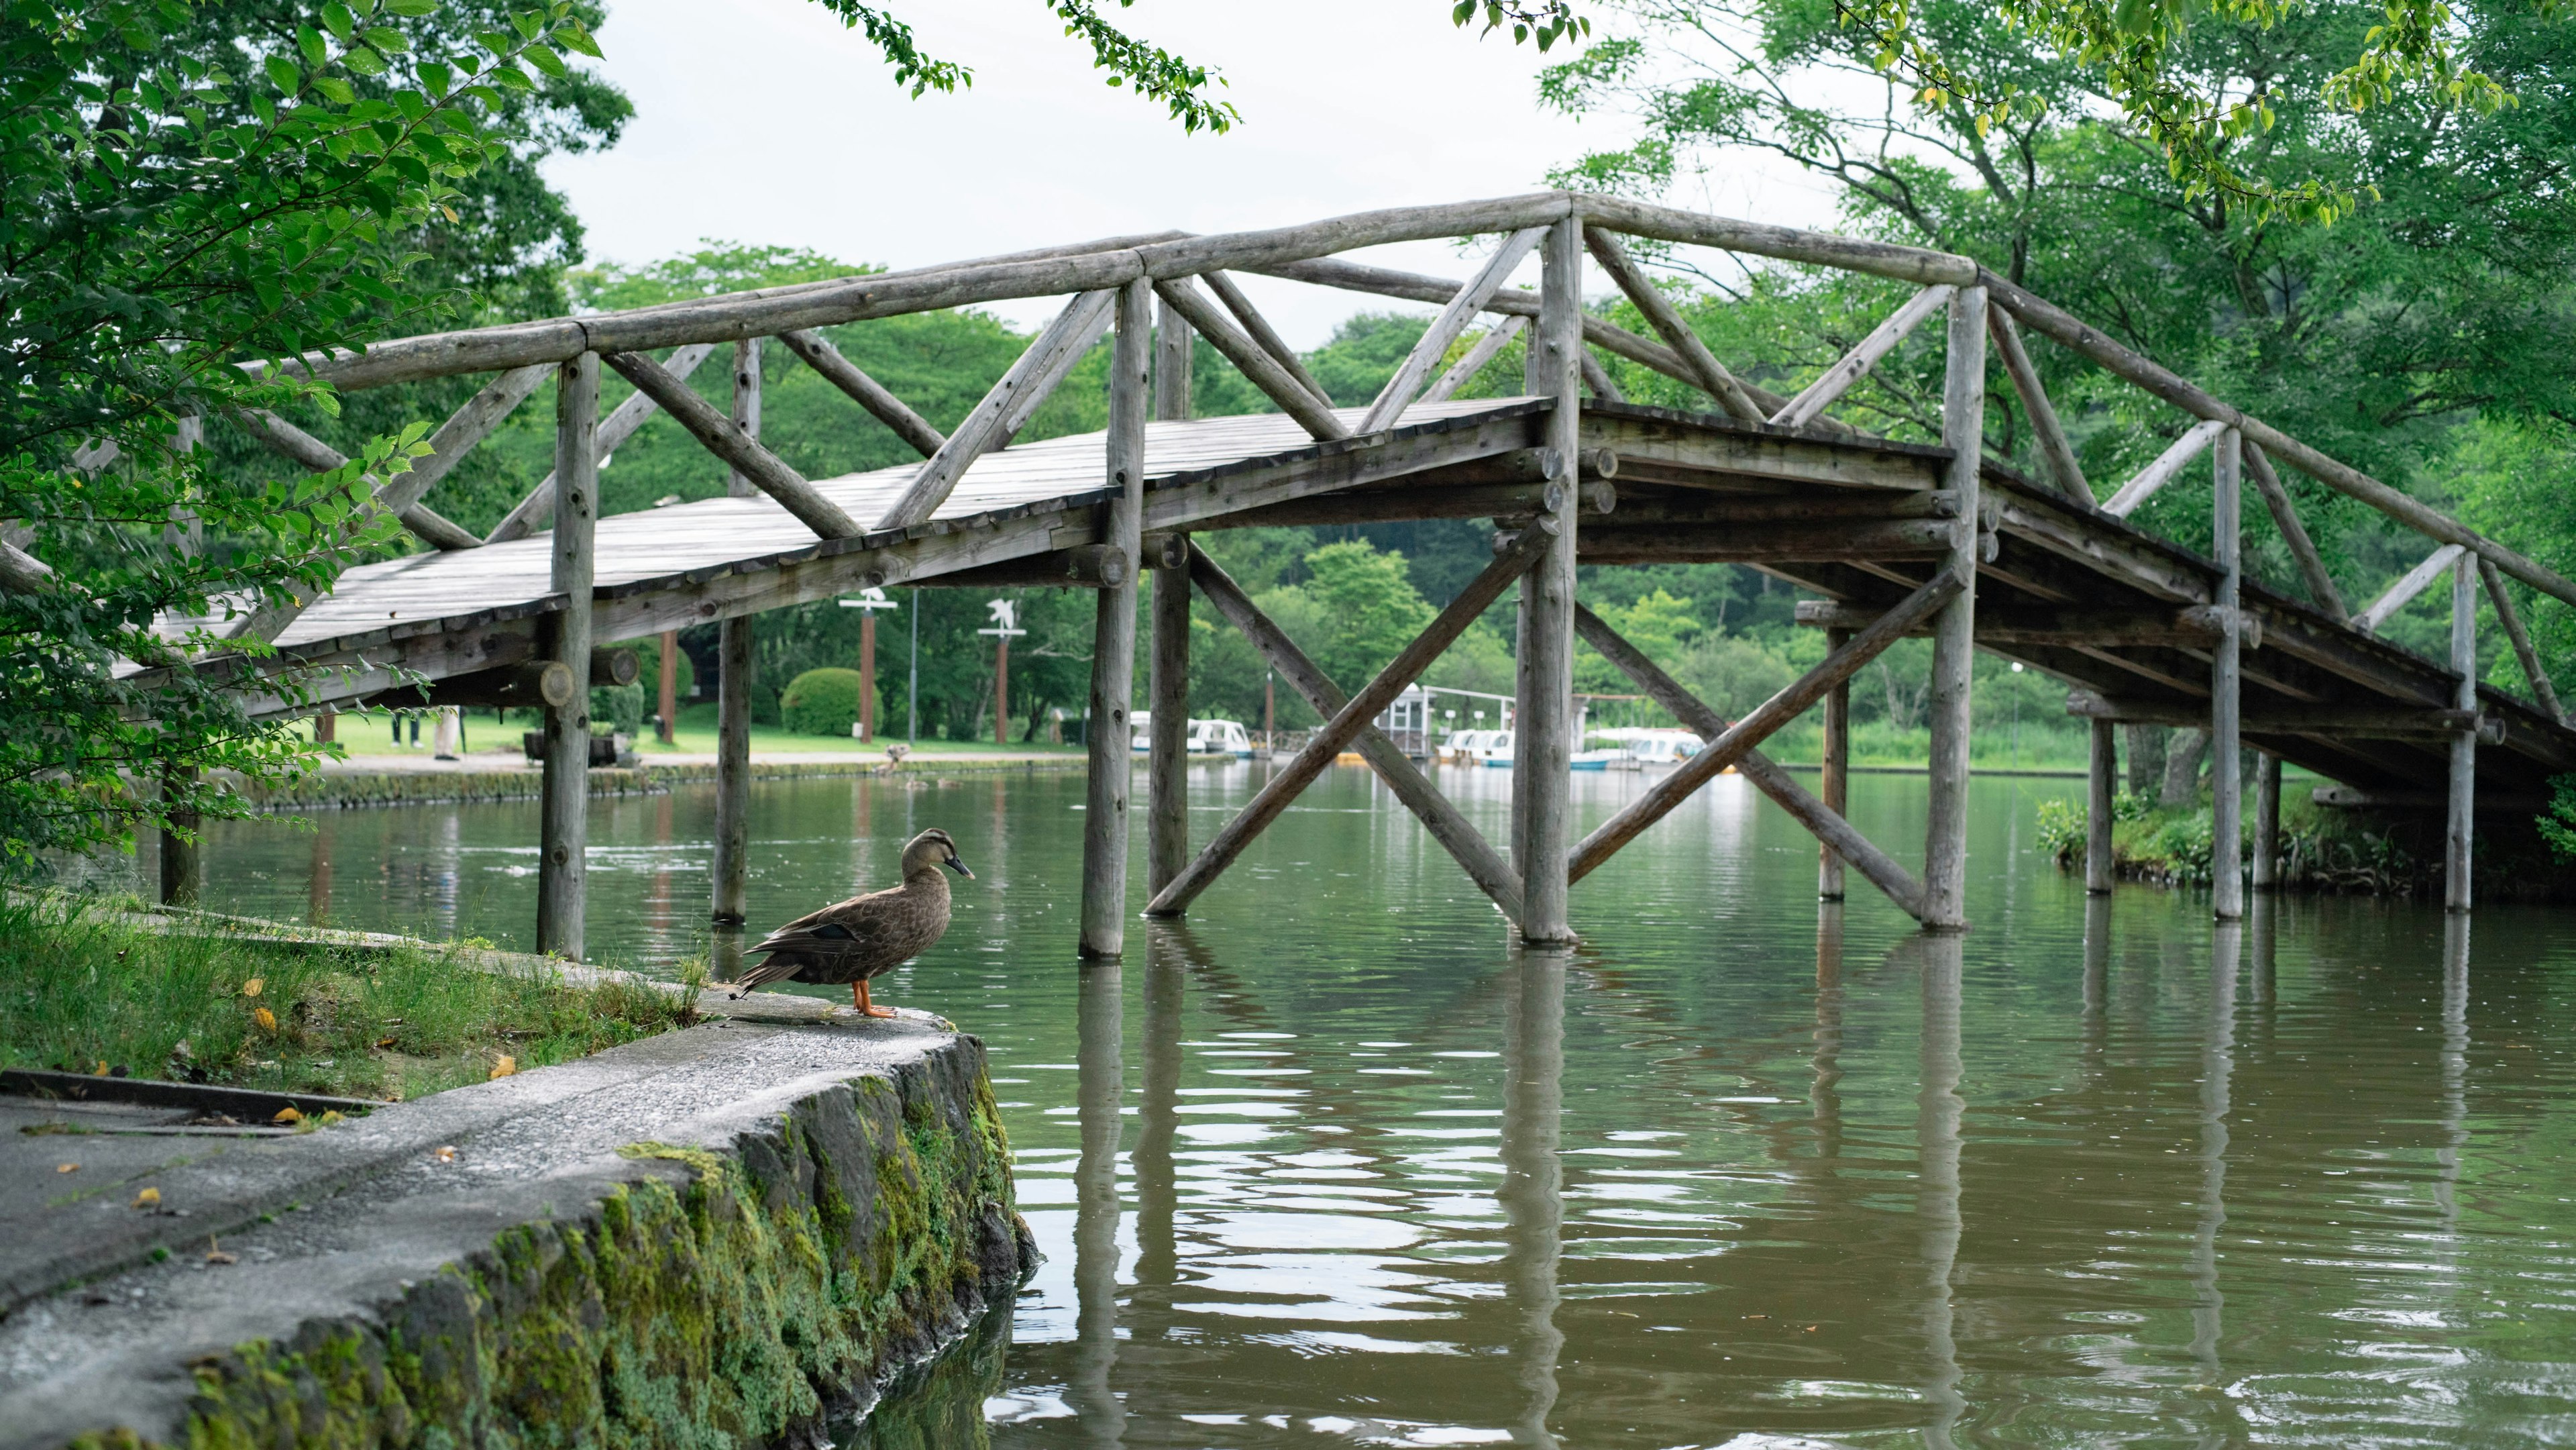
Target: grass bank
2323	849
83	991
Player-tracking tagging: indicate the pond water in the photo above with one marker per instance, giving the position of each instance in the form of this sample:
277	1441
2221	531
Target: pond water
1334	1164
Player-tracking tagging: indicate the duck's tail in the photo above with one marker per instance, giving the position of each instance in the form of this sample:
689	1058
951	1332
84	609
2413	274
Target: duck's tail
780	967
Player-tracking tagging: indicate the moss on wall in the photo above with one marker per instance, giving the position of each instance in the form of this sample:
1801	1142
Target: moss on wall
725	1295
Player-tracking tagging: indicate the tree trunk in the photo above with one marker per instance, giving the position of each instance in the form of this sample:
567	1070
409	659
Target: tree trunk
2183	754
2146	758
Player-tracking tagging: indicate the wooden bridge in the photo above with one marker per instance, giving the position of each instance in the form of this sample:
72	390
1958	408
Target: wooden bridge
1894	538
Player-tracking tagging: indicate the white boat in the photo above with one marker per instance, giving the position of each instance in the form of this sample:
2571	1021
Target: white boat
1206	737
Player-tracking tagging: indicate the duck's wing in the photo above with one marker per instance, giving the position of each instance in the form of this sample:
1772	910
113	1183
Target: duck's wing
858	923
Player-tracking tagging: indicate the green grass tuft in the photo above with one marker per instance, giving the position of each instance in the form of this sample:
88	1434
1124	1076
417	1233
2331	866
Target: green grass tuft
79	990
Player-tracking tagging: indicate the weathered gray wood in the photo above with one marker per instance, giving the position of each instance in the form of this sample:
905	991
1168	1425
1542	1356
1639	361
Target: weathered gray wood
817	352
1729	747
746	411
1950	706
1113	638
2285	517
1006	409
1852	506
1821	818
563	810
1167	761
2194	626
2046	317
1855	365
2267	819
1483	864
1546	721
2055	448
536	685
2461	821
1251	251
2402	593
1619	541
723	438
1835	778
1446	328
1452	501
1790	244
2101	808
2511	619
2226	684
1708	374
22	572
1598	379
1172	337
1258	328
1084	566
621	423
1254	361
2168	464
736	660
2354	721
467	426
1346	724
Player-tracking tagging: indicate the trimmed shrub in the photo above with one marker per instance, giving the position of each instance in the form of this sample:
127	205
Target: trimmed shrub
821	702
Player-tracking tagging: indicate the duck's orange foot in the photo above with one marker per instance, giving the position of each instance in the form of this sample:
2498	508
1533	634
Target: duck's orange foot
878	1011
859	999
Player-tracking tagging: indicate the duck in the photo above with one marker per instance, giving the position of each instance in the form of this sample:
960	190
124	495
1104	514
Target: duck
853	940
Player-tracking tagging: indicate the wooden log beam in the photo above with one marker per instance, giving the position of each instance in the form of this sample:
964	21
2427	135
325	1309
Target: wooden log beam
467	426
1111	770
1005	410
1819	817
1730	745
2359	722
536	685
2167	466
297	446
1477	357
1172	362
2046	317
724	438
1620	542
1855	365
2196	626
1605	388
1707	373
1458	501
1456	834
1789	244
620	424
817	352
2355	798
1445	329
1741	509
2511	619
1254	361
1346	723
2402	593
1084	566
1258	328
2055	448
1948	705
2294	534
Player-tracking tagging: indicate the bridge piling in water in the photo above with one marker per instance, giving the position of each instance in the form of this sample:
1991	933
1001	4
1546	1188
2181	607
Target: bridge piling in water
1113	650
1952	702
2226	681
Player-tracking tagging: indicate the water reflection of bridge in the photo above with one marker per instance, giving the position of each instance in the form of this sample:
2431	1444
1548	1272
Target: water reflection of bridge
1897	538
1134	1365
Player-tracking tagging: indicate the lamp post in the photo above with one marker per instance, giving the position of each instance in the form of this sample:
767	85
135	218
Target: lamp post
871	600
1006	618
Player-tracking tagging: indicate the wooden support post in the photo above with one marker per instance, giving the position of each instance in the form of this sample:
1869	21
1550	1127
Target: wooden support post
867	676
669	729
2226	684
2511	619
1543	749
1836	780
183	881
1954	631
2464	746
2101	807
1482	863
1167	808
746	410
1113	648
564	810
1171	365
2267	819
732	870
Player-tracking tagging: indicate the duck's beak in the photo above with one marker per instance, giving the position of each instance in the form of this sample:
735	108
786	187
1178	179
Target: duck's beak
960	868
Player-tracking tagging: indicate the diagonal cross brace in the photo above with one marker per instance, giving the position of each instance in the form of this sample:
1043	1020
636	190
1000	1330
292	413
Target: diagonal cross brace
1004	411
1347	723
725	438
1483	864
1820	819
1758	726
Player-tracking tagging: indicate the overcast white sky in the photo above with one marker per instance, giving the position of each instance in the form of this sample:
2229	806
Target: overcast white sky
763	121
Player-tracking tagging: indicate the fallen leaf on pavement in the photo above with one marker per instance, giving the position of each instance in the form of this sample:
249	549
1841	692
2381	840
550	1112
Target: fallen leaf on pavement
446	1154
215	1255
66	1168
148	1198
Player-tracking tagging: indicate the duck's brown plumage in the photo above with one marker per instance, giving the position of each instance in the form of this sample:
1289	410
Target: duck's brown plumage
853	940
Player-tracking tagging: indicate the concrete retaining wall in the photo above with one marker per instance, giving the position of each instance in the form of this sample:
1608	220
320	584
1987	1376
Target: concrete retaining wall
721	1236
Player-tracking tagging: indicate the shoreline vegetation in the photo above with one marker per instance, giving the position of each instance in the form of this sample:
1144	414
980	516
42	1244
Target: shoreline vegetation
2324	850
91	993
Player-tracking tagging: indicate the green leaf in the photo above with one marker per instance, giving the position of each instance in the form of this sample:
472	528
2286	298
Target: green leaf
335	88
283	74
337	19
411	8
545	60
309	40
